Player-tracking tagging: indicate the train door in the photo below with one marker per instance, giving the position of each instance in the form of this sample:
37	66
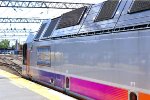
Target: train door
26	60
24	67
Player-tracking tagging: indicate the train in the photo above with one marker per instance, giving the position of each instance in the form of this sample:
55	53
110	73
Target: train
97	52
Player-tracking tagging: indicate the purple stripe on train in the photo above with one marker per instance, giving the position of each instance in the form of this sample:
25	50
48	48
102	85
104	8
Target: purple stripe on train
59	80
97	91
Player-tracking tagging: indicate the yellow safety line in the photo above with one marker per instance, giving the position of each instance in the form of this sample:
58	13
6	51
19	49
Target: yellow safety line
43	91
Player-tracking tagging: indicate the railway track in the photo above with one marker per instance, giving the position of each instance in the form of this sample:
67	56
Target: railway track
6	62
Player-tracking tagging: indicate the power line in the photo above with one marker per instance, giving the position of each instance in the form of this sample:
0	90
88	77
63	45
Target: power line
21	20
4	36
41	4
15	30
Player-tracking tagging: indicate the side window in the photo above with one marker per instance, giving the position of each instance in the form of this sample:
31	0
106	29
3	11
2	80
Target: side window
40	31
24	54
51	27
72	18
139	5
44	56
108	10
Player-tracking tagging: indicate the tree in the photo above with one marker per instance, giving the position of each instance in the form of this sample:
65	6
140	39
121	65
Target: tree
4	44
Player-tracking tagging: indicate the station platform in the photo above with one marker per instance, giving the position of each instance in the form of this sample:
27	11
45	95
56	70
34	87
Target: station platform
13	87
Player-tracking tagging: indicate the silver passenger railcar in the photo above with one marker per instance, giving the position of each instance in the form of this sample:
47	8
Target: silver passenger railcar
100	52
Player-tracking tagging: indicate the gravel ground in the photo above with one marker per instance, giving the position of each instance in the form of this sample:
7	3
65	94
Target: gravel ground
5	68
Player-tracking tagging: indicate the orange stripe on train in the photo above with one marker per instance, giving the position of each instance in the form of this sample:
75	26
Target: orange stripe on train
143	96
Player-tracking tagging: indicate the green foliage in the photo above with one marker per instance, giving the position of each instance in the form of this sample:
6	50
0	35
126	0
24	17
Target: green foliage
4	44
